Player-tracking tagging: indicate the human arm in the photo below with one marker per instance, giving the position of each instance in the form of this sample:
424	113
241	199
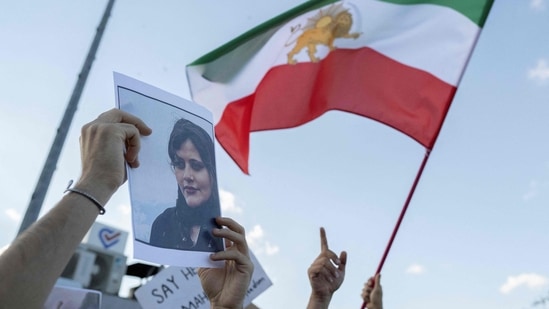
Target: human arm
326	274
372	293
226	287
31	265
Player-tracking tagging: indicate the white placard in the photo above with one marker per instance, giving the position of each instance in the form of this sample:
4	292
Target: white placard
176	287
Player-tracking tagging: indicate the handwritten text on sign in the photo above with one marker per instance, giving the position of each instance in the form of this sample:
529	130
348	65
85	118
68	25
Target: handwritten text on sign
176	287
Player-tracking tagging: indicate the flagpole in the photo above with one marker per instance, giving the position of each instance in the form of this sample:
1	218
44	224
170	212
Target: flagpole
402	213
39	194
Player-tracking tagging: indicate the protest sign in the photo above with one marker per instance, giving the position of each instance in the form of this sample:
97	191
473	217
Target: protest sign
177	287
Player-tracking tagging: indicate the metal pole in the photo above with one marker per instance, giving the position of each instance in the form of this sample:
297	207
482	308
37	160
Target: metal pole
41	189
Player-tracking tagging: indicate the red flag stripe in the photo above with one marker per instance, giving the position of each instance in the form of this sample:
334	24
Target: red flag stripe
360	81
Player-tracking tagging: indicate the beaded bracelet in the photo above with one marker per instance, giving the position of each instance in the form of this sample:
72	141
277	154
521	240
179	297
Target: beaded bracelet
91	198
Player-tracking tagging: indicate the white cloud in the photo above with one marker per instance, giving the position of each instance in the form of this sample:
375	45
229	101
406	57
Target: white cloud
255	235
13	214
540	73
228	202
531	280
534	188
271	249
415	269
258	244
124	209
537	4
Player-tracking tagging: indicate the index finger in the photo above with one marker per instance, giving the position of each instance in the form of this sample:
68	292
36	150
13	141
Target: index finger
323	240
231	224
234	233
133	144
117	115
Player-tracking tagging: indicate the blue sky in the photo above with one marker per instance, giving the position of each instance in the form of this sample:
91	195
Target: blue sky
475	233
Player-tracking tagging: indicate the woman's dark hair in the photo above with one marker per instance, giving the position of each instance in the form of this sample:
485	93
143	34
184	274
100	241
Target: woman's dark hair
183	130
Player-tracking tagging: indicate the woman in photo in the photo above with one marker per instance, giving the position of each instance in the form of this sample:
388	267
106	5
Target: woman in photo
188	225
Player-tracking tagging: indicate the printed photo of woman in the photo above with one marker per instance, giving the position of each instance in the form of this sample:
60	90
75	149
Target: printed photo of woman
188	225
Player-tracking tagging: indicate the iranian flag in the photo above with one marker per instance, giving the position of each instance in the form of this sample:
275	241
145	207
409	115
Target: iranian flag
398	62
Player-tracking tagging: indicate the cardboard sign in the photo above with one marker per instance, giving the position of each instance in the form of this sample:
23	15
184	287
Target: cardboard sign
176	287
107	237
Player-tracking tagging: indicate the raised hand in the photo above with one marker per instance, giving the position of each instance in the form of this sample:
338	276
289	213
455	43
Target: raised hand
106	144
326	274
372	294
226	287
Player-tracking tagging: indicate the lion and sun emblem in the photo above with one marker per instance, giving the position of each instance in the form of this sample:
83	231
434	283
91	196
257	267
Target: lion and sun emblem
322	29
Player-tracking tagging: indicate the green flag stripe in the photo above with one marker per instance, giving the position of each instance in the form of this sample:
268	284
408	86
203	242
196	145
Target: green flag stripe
260	30
469	8
261	33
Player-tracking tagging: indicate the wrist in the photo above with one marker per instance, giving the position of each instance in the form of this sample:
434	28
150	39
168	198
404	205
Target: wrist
101	191
317	301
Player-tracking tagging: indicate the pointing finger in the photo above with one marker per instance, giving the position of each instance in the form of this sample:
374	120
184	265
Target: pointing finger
323	240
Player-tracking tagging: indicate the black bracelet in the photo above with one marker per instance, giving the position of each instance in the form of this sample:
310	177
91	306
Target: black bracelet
91	198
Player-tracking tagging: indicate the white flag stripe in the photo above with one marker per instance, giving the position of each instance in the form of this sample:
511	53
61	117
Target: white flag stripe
421	36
